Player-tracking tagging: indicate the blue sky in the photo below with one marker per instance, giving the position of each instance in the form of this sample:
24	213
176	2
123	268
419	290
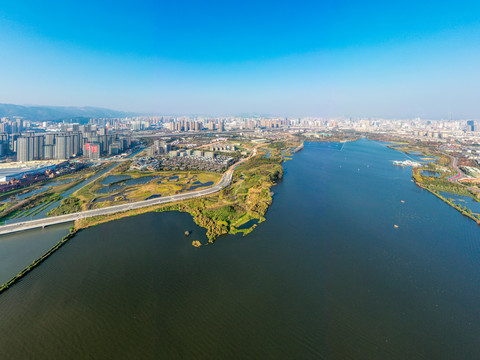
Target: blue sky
292	58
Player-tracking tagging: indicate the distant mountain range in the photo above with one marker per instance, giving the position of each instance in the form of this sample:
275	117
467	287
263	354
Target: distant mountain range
57	113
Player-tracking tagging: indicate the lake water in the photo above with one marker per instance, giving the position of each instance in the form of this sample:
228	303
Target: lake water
327	276
429	173
17	251
114	179
462	200
197	185
115	183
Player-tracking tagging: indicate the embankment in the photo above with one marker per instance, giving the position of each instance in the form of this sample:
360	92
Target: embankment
37	262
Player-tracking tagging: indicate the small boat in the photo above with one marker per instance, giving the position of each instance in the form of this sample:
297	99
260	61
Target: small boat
402	201
395	226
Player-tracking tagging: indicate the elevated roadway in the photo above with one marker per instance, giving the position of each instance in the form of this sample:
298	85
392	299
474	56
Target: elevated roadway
54	220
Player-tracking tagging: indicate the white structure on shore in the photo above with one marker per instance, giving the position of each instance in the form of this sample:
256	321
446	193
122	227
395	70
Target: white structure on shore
406	163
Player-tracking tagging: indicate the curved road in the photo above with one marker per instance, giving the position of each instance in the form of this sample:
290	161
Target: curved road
460	174
454	165
41	223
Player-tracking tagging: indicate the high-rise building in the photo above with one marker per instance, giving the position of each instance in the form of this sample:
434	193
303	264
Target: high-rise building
38	151
29	147
76	143
49	139
92	150
19	123
61	147
23	147
64	145
4	144
471	125
49	152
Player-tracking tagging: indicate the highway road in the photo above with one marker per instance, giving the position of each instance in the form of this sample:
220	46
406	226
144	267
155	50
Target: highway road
454	165
460	174
41	223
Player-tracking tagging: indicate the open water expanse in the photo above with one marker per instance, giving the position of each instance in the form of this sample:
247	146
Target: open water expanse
327	276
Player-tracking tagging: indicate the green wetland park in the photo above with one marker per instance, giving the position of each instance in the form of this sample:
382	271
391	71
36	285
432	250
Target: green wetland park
352	260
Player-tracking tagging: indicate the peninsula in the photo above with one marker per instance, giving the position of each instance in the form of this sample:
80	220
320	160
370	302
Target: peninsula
231	203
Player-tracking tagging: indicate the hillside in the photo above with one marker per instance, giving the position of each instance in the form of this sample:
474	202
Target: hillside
57	113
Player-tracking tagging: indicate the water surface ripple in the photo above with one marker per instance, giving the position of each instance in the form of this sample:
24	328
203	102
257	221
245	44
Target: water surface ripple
327	276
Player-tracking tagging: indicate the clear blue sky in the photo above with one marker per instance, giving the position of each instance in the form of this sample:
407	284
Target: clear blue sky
293	58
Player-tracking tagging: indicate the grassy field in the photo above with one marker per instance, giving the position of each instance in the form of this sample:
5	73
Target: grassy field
163	183
32	205
246	199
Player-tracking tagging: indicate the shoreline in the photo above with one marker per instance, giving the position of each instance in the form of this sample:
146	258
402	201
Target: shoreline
213	225
452	204
419	182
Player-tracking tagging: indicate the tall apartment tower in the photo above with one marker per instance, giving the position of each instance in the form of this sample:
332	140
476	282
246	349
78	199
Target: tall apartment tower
471	125
49	152
19	123
61	149
49	139
30	147
38	151
76	143
23	147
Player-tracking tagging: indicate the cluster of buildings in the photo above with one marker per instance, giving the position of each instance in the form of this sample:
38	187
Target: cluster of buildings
222	124
195	125
415	129
199	123
30	146
196	160
12	126
223	148
462	151
52	140
146	164
14	178
76	140
180	160
158	148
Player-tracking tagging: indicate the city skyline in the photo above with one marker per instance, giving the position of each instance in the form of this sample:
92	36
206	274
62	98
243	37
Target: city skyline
329	59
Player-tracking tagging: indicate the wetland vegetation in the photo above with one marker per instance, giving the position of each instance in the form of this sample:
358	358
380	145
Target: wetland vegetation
226	212
435	176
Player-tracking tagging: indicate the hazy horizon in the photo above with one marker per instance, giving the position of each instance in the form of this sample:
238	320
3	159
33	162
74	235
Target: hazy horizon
240	115
327	59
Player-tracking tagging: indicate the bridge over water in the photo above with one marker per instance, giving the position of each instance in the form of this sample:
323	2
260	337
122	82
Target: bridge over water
54	220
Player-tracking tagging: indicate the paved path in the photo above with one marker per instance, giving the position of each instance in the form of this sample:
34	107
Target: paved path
41	223
225	181
454	165
460	174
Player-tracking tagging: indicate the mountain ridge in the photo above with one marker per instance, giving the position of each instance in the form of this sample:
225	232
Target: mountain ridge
58	113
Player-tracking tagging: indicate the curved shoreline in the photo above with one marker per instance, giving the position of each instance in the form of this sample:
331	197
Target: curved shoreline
452	179
455	206
41	223
224	182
